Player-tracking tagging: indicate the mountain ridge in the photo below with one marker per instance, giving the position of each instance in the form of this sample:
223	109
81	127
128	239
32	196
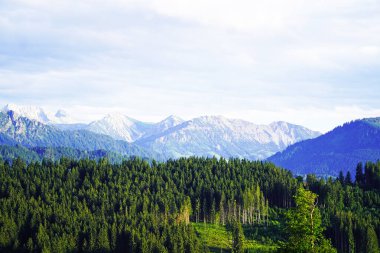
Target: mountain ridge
339	149
31	133
171	137
219	136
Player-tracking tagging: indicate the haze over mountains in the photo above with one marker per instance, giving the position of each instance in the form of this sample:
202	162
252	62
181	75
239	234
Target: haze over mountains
172	137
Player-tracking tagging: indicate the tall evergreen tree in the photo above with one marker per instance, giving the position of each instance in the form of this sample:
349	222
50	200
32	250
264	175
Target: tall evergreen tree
237	237
348	179
341	177
359	177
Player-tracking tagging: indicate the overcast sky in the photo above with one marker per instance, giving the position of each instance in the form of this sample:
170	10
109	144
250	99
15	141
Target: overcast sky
314	63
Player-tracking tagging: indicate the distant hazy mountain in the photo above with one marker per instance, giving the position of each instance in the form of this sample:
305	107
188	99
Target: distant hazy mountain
31	133
219	136
339	149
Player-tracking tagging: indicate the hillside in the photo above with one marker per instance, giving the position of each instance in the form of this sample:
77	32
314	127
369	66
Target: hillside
38	154
340	149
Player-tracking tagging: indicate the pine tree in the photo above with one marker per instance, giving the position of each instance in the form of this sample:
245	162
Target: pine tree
237	237
341	177
348	180
359	177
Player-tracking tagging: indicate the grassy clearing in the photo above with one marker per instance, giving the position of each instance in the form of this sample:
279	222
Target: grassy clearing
219	239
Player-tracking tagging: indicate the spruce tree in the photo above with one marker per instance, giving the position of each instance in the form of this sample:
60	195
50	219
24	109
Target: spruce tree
348	179
359	177
237	237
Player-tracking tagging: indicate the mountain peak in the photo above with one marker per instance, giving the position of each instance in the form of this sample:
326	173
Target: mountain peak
119	119
211	119
31	112
173	119
61	114
118	126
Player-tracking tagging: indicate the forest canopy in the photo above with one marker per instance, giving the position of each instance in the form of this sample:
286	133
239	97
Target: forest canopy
140	206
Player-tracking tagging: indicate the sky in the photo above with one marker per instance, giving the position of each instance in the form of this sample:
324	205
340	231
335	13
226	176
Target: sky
313	63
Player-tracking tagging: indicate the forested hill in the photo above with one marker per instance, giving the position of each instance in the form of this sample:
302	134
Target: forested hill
339	149
136	206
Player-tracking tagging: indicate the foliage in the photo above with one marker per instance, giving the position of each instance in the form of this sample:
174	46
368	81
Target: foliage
305	225
218	238
96	206
88	205
38	154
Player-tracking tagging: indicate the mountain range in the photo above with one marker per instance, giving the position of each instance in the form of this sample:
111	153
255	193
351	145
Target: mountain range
172	137
32	131
19	130
219	136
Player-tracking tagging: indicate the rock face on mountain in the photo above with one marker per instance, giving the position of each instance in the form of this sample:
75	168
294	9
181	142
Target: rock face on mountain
122	127
219	136
119	127
340	149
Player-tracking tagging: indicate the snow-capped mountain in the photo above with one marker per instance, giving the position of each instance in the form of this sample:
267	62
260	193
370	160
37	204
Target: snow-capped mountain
285	134
219	136
39	114
164	125
120	127
15	130
173	137
30	112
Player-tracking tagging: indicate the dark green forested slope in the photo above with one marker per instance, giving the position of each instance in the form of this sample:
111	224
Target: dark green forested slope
37	154
89	206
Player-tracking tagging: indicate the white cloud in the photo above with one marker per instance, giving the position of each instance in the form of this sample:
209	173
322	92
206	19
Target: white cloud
155	58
